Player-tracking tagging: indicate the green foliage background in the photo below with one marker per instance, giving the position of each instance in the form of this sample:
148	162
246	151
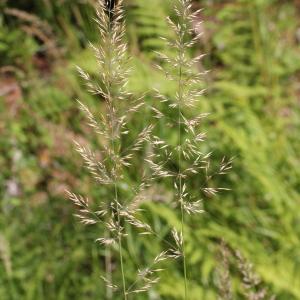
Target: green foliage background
253	95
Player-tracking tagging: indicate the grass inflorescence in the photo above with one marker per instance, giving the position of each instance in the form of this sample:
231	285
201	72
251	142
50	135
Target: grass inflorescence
113	127
187	151
117	153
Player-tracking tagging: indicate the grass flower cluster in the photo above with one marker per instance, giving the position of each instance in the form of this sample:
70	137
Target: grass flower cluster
116	156
191	160
113	125
252	287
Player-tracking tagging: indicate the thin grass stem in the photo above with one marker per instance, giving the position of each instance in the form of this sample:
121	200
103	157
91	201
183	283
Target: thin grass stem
120	244
180	87
115	167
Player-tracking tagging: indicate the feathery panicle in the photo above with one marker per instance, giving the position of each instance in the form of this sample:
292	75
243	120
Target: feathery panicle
253	289
224	280
111	162
191	161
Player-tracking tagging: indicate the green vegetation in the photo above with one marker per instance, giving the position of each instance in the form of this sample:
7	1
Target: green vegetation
252	94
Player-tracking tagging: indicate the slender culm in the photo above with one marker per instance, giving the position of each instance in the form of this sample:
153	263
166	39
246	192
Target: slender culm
111	8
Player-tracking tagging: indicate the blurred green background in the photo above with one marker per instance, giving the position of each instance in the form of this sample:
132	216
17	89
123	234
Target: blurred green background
253	54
